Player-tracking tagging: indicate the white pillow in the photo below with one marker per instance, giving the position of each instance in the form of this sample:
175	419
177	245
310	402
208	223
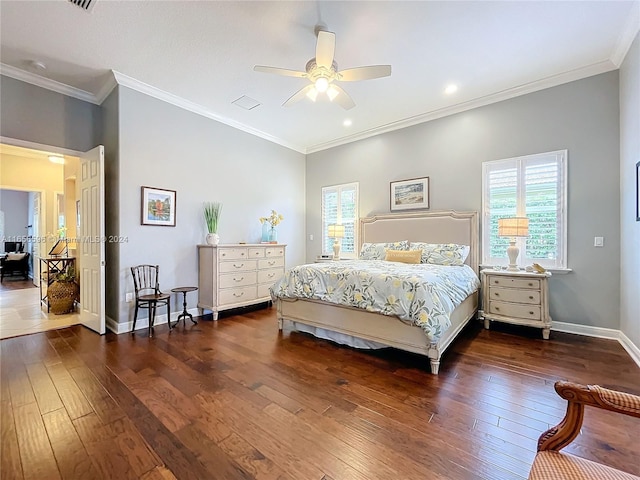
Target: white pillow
16	256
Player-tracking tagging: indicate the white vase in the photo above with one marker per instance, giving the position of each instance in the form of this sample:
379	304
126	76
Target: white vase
213	239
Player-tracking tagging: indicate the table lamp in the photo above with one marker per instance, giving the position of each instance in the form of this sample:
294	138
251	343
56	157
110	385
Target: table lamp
336	232
513	227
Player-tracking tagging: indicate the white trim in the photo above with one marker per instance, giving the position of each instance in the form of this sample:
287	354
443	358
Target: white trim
47	83
600	332
39	146
172	99
106	89
548	82
143	323
627	35
632	349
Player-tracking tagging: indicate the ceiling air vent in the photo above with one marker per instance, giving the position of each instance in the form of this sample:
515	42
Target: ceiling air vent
84	4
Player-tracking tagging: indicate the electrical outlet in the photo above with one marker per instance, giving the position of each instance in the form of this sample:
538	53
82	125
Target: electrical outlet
598	241
128	297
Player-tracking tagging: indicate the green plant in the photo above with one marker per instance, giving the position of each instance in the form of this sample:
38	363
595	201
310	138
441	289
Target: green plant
212	215
67	275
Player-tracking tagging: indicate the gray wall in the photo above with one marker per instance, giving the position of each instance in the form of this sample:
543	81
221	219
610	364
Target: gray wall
15	205
581	116
38	115
163	146
629	227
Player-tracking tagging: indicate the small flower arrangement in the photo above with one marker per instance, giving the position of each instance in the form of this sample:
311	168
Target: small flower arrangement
274	219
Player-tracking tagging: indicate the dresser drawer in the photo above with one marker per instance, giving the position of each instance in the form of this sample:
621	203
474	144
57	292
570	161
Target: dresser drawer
271	262
238	266
257	252
531	312
239	279
270	276
514	295
498	281
232	253
235	295
263	290
274	251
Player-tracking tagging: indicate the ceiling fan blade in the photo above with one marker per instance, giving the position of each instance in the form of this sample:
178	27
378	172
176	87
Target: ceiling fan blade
325	49
343	99
280	71
365	73
299	95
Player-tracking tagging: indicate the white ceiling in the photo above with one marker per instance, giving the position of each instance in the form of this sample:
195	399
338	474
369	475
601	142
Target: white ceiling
201	54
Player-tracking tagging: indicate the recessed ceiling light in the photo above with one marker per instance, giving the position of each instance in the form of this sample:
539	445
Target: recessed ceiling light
56	159
451	89
347	122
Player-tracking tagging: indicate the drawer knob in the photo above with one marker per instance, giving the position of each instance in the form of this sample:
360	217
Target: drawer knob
496	281
271	275
224	254
530	313
497	294
530	297
497	308
242	254
238	266
238	279
238	294
272	263
531	284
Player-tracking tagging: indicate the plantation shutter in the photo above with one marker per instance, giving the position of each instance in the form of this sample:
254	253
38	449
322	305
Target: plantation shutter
533	186
340	206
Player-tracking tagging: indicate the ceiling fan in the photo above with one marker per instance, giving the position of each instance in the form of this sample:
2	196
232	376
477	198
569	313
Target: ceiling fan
322	72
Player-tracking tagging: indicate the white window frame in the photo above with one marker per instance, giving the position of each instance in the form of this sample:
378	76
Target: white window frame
328	249
560	263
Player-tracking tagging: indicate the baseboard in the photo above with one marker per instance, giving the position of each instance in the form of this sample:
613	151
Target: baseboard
599	332
143	323
631	348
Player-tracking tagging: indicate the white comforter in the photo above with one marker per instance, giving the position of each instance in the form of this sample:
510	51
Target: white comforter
422	294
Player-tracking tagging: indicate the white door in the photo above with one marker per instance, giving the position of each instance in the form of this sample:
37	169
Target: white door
35	235
92	240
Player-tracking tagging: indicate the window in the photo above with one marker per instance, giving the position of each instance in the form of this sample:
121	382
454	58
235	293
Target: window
533	186
340	205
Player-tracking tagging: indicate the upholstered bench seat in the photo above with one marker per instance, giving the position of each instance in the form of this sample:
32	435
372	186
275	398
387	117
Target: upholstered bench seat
550	465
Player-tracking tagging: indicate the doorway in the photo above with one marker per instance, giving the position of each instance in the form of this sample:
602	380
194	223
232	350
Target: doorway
38	205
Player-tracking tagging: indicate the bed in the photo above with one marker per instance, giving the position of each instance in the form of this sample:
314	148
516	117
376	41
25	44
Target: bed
344	322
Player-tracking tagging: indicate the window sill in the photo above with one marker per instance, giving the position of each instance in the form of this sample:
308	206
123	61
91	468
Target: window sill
554	271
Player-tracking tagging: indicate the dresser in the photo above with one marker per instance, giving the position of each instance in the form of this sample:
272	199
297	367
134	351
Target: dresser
520	298
237	275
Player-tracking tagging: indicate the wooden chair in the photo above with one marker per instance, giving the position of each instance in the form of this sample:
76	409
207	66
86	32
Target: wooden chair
148	294
550	464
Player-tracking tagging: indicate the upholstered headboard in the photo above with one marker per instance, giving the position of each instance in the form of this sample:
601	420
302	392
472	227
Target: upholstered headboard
446	226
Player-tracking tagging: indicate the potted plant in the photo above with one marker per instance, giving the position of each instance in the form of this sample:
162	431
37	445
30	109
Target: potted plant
63	292
211	217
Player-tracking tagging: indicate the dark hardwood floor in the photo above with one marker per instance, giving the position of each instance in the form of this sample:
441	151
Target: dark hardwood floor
15	283
235	399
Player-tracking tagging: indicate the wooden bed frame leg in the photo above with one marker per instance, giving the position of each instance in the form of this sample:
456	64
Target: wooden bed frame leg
435	366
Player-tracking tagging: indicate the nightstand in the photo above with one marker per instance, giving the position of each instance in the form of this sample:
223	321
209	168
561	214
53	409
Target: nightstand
520	298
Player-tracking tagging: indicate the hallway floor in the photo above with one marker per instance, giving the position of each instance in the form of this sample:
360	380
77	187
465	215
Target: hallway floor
21	313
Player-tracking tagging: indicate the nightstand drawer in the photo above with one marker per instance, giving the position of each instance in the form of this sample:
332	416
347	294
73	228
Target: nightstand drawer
515	296
531	312
498	281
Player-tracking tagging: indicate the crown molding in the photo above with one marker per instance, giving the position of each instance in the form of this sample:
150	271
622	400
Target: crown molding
548	82
152	91
39	81
627	35
106	88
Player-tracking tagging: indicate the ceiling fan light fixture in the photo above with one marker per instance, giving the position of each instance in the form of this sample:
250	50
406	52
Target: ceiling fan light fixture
313	94
322	84
332	92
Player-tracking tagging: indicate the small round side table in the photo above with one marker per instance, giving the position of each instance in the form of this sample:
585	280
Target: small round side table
183	316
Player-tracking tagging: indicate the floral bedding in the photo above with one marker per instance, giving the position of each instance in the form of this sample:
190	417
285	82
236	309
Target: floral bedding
420	294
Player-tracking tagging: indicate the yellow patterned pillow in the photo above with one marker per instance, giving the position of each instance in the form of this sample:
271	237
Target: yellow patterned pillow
404	256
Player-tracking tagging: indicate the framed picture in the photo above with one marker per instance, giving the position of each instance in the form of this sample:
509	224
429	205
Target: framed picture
638	191
158	207
410	194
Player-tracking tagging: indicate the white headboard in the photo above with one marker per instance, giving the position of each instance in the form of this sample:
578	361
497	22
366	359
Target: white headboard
446	226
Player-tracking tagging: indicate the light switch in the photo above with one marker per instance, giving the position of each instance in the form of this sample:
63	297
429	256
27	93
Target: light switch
598	241
311	237
129	297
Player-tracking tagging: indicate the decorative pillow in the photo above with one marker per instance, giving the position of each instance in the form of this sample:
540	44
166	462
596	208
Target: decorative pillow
442	253
404	256
376	251
16	256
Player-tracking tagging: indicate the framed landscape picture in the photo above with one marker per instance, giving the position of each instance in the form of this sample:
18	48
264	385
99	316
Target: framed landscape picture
158	207
410	194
